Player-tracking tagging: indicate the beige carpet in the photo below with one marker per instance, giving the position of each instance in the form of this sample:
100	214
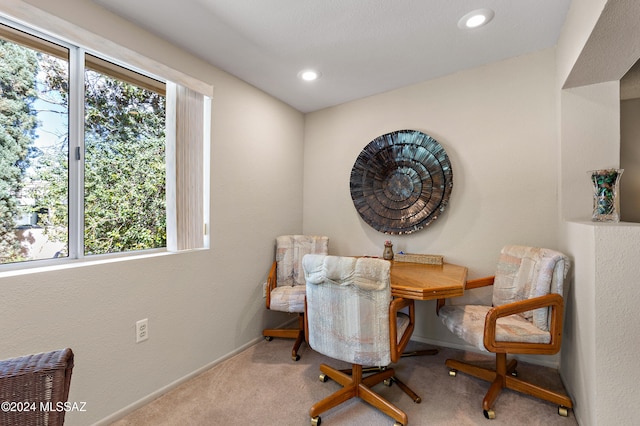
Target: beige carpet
263	386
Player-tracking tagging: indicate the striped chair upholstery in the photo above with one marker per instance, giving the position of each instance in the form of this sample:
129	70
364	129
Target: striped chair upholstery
521	273
352	317
285	287
525	318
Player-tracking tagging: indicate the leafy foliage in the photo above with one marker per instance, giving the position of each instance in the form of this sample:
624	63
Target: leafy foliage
124	173
18	122
124	166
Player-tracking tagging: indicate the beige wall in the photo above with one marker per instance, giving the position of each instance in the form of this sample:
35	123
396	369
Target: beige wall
498	126
630	160
577	28
201	305
477	121
601	339
587	144
515	141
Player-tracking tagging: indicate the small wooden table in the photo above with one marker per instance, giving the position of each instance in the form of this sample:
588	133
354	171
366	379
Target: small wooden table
420	281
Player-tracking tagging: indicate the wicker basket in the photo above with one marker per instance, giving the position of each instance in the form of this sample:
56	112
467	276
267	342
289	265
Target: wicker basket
430	259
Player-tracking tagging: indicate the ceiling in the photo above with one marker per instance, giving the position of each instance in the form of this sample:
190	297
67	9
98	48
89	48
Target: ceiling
360	47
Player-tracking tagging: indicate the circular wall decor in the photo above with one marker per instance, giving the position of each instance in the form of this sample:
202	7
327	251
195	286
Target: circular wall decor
401	182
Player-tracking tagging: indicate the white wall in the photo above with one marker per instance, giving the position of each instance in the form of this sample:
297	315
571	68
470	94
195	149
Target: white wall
599	352
508	130
617	337
498	126
578	356
601	339
630	160
201	305
587	144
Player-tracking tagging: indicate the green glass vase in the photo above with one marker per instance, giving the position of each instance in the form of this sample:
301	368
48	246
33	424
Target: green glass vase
606	203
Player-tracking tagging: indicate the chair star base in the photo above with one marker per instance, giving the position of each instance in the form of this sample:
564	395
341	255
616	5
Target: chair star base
290	333
365	370
503	377
356	385
525	317
424	352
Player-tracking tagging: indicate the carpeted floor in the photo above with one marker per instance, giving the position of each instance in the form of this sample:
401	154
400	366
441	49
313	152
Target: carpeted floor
262	385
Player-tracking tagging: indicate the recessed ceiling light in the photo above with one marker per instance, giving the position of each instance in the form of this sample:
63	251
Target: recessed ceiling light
309	75
476	18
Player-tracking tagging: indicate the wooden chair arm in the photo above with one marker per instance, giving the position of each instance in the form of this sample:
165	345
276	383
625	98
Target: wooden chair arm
469	285
306	322
397	348
553	301
271	283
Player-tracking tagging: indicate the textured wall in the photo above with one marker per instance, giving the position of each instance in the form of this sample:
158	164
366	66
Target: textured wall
201	305
600	338
630	160
498	126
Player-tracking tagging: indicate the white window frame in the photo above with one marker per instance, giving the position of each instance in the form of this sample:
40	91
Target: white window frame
76	144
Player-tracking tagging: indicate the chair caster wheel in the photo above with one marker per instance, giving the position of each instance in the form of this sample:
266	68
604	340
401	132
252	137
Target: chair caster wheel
387	382
315	421
295	357
453	373
563	411
489	414
268	338
323	377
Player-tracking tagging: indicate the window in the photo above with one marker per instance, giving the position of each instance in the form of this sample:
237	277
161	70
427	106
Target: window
94	156
124	160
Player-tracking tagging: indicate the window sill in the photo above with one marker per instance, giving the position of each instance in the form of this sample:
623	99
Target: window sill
12	270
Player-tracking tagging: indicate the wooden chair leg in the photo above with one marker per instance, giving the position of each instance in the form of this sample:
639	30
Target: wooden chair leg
472	370
382	404
497	385
342	377
349	390
381	376
406	389
424	352
492	394
289	333
333	400
370	381
538	392
502	378
299	338
355	385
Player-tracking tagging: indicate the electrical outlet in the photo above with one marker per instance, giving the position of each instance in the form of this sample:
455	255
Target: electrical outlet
142	330
264	290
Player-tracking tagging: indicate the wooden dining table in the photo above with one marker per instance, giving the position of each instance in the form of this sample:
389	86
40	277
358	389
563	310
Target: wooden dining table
419	281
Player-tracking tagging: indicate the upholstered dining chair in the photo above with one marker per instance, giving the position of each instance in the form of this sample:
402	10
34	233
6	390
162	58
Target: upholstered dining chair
352	317
526	318
285	287
38	384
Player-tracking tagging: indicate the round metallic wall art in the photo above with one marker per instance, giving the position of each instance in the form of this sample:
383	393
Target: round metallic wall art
401	182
